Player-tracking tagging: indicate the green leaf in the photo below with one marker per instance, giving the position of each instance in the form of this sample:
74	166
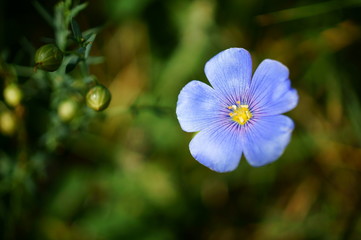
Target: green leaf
90	39
77	9
91	31
42	11
76	30
73	62
61	26
95	60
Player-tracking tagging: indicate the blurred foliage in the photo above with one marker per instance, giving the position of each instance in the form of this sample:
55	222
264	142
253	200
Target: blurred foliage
68	172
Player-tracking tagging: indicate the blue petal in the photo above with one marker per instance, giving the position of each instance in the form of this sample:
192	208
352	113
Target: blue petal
230	72
218	147
270	92
197	106
265	139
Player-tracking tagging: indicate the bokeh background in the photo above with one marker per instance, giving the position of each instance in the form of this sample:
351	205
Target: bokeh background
126	172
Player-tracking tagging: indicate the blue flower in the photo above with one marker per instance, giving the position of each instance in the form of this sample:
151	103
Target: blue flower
239	113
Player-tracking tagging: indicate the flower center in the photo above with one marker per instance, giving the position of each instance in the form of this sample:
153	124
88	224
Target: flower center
240	113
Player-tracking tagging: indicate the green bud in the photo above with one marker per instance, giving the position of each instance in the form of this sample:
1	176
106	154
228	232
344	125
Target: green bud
98	98
48	58
13	94
67	109
7	123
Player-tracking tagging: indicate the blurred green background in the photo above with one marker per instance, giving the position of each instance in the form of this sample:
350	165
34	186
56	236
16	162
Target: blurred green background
128	174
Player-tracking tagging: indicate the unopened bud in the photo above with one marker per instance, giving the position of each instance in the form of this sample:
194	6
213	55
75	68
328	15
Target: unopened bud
67	110
13	94
48	58
98	98
7	123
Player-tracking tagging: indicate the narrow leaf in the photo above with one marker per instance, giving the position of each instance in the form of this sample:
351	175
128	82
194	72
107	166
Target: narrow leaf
42	11
76	30
77	9
90	41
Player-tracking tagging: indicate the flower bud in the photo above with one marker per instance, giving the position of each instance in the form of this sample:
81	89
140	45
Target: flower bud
98	98
13	94
7	123
67	110
48	58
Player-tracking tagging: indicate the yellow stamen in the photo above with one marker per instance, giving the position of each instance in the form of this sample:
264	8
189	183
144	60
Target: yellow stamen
240	114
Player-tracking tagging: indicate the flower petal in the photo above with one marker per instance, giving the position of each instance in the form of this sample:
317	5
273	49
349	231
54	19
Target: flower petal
270	92
230	72
218	147
265	139
197	106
